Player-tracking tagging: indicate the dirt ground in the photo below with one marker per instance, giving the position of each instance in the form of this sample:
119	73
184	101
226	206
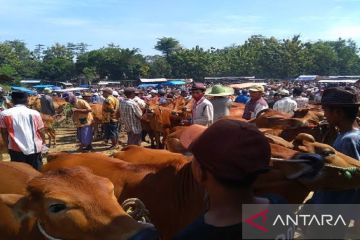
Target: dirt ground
67	142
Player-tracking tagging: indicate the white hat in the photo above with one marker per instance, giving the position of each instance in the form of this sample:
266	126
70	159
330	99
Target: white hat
284	92
47	90
153	91
115	93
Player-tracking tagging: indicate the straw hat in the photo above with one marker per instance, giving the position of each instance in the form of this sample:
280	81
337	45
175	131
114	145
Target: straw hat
219	90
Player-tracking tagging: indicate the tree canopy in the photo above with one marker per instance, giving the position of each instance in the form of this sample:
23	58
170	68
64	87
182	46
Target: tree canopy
265	57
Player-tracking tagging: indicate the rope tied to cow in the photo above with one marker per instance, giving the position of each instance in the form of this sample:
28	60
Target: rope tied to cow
136	209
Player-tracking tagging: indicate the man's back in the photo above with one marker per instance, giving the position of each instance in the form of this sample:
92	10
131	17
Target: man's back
47	105
130	114
286	105
22	124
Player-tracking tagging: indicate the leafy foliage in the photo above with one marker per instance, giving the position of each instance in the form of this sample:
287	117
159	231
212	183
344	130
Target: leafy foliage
259	55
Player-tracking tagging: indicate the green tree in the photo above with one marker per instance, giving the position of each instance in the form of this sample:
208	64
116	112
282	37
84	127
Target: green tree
167	45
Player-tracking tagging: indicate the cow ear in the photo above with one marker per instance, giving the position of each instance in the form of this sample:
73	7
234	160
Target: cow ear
16	202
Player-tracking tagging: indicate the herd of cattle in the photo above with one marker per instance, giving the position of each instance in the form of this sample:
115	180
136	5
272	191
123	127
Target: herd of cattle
79	196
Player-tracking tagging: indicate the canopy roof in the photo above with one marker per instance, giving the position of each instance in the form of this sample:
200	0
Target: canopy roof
22	89
43	86
339	81
246	85
71	89
152	80
147	85
174	82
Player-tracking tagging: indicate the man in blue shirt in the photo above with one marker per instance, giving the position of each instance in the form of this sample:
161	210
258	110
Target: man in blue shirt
341	108
243	97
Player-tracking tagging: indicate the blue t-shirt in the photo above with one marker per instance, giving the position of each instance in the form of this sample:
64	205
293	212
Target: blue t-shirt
347	143
242	99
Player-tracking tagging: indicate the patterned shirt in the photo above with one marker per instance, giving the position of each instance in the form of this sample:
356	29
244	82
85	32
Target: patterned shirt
23	125
82	119
286	105
130	116
110	108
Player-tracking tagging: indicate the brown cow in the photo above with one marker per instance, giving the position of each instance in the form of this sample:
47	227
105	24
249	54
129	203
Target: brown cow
166	189
63	204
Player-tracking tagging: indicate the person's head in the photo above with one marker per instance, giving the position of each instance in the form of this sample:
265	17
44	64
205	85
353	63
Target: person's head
256	92
69	97
276	96
130	92
184	93
153	93
198	91
162	92
219	155
115	94
87	96
47	91
340	105
107	92
284	93
19	98
244	92
297	92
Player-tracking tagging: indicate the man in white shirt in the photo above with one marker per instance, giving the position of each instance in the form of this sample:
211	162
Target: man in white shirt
285	104
203	110
23	130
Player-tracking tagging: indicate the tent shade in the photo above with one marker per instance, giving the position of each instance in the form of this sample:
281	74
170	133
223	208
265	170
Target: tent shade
71	89
43	86
173	83
246	85
147	85
306	78
22	89
152	80
339	81
30	81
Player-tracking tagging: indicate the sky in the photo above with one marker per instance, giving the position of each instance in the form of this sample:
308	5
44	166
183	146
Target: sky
207	23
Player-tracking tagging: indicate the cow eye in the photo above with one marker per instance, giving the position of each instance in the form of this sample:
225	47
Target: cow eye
58	207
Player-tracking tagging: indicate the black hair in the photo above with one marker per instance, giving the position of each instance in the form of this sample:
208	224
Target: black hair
297	91
350	112
19	98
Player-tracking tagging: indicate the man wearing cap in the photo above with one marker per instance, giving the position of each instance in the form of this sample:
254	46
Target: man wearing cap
131	114
285	104
202	111
110	117
23	130
256	102
227	159
47	103
340	107
138	99
220	100
82	117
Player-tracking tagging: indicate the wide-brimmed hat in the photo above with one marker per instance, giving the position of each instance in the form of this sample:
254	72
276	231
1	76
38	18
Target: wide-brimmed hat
219	90
198	86
229	149
108	90
87	94
339	96
284	92
256	88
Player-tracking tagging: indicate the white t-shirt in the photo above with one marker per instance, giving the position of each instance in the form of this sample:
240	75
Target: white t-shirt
23	125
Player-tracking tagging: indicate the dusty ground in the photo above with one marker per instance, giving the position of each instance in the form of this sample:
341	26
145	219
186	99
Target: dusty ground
67	142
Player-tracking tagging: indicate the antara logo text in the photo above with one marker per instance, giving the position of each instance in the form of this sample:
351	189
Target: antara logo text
309	220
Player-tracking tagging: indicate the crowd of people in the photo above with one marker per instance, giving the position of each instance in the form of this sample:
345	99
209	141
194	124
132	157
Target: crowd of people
219	164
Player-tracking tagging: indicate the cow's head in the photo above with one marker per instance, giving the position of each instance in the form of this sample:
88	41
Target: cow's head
73	204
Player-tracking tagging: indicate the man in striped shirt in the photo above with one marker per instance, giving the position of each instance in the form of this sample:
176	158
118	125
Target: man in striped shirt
130	116
23	130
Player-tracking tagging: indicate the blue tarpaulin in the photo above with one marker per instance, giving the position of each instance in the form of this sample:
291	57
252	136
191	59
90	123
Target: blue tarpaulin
22	89
173	83
43	86
147	85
